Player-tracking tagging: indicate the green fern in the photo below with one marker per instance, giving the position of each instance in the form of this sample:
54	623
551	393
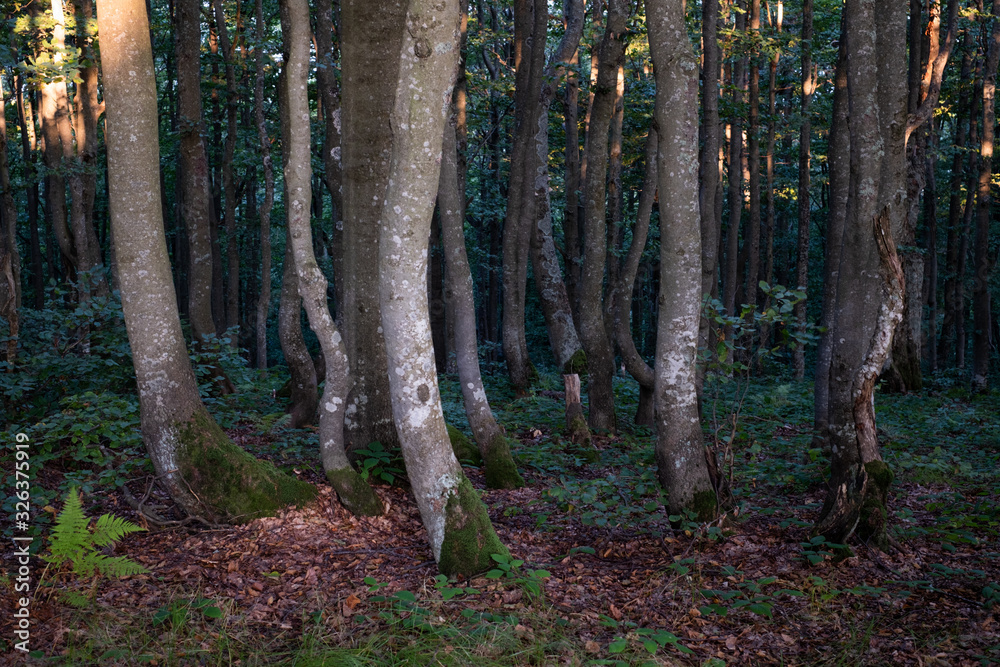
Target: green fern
73	541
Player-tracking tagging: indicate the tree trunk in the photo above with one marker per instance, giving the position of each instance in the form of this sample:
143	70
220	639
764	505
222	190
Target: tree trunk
552	292
461	535
593	333
501	471
26	124
982	320
372	35
10	259
633	361
353	491
530	19
228	181
867	310
680	453
840	172
193	162
264	299
203	471
752	242
805	136
731	277
709	170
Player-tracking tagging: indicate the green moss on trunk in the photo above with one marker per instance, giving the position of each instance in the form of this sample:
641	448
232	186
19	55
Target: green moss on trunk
232	485
354	492
579	434
576	364
469	539
705	505
465	450
501	471
873	521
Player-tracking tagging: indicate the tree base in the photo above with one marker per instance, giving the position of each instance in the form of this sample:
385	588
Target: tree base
578	433
501	471
465	450
857	503
354	493
469	539
232	485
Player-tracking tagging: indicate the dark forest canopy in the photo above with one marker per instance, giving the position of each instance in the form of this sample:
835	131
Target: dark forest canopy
317	215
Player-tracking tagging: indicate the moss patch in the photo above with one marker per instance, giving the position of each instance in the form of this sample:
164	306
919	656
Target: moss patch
232	485
705	505
354	492
576	364
501	471
579	434
873	521
469	538
465	450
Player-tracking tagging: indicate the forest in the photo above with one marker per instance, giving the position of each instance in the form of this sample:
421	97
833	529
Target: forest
499	332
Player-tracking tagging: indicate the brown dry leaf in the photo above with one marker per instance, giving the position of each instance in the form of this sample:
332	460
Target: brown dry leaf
352	601
592	647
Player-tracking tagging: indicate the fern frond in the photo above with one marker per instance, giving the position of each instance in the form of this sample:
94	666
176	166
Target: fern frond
117	566
70	538
111	528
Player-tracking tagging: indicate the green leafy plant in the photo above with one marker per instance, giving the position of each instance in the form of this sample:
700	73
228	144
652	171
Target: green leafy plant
509	569
176	613
75	543
374	461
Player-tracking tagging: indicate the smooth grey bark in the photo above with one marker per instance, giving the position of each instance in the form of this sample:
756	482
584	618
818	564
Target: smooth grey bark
264	298
548	275
461	536
303	390
530	19
680	452
501	471
202	470
804	204
371	37
353	491
593	333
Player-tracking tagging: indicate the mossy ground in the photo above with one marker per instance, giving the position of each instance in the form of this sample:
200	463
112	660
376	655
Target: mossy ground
354	492
232	484
469	538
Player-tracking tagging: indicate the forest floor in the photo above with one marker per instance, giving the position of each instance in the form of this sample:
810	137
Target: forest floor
600	577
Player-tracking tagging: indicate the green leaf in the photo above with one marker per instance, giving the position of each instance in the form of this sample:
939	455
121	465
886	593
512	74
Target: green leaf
618	646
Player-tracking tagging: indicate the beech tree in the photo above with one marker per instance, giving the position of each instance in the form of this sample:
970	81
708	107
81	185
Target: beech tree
200	467
680	452
458	526
352	490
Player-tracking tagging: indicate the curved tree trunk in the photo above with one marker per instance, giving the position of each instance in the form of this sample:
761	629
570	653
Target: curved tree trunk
593	333
354	492
501	471
461	535
303	390
204	472
634	363
680	453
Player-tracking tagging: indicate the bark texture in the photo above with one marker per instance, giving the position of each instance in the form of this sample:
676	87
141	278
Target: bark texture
461	536
680	452
372	37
